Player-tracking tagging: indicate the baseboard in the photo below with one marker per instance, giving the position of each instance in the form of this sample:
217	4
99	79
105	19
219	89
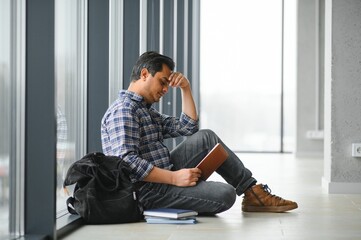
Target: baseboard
341	187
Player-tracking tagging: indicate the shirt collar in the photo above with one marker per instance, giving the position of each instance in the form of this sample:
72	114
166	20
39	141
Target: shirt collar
134	96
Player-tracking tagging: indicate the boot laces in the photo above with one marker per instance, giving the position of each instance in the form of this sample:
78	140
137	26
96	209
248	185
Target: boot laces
268	190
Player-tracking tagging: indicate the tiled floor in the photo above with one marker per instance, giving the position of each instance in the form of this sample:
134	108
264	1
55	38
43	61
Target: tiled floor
319	216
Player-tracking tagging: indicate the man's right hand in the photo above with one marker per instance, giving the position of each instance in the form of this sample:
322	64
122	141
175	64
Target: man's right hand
186	177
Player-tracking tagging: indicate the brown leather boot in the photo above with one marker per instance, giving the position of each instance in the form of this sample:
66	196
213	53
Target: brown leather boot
259	199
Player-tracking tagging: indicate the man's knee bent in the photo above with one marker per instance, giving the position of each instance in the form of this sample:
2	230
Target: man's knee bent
227	195
209	136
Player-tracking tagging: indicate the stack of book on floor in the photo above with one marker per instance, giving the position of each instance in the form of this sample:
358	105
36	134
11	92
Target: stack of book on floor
170	216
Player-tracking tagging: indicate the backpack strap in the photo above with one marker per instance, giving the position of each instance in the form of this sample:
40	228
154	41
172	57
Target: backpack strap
70	204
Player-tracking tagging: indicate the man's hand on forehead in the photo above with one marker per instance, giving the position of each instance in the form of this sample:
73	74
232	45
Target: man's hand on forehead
177	79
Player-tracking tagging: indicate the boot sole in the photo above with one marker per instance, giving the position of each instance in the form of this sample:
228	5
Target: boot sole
275	209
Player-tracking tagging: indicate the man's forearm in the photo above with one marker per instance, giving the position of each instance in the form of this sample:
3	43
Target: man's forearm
188	104
183	178
159	175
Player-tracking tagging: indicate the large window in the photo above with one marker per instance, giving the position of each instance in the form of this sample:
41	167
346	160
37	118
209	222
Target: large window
70	77
12	112
242	81
5	110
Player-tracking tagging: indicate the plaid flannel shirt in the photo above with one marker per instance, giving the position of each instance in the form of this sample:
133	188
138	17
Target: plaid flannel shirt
134	131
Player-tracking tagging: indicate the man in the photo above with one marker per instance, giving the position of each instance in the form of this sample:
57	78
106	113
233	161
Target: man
134	131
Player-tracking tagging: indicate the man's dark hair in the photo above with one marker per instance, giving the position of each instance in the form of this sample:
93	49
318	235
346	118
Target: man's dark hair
153	62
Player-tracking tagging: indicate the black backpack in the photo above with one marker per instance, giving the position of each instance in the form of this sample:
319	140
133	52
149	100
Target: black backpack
103	192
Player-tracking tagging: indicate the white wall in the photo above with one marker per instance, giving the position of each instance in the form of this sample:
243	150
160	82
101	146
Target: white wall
342	172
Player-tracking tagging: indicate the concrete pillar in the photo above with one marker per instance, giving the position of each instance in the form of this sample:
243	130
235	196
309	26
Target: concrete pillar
342	172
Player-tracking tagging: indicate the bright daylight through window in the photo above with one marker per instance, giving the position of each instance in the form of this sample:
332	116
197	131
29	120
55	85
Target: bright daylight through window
70	67
242	74
5	110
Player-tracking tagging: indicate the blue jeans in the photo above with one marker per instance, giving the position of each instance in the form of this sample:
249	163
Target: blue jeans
207	197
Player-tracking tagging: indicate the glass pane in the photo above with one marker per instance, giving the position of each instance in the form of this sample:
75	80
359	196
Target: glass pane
70	88
5	106
241	72
289	77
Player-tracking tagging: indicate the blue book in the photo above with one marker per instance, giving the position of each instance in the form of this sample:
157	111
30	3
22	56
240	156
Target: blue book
162	220
170	213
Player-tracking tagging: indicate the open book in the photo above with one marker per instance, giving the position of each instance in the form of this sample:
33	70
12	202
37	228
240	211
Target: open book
212	161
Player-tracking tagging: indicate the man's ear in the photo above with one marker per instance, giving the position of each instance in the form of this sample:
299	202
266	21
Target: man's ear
144	73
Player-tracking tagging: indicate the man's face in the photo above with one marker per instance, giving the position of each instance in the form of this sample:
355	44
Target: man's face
157	86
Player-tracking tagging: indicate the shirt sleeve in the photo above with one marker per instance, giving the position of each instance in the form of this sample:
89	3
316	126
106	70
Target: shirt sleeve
176	127
120	136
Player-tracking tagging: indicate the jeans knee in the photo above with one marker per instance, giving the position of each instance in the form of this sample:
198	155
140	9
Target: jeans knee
231	196
208	132
209	135
228	196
